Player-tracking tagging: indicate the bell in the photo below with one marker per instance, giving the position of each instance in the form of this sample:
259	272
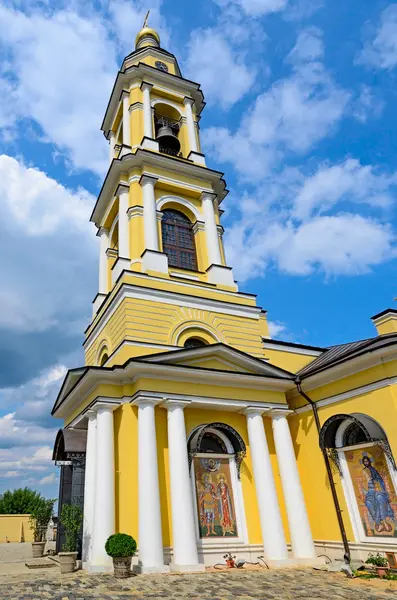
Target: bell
167	139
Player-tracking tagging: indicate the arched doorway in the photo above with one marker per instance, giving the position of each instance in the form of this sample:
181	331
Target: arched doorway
216	451
360	450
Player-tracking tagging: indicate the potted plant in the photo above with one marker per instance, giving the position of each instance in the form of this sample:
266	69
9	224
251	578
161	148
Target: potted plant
380	563
121	547
71	518
39	518
230	560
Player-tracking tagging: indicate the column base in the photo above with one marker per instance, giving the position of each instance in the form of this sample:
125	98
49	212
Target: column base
197	568
221	275
98	301
152	260
197	157
141	569
121	264
150	144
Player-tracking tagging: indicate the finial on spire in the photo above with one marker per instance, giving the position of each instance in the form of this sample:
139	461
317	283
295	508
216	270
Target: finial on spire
146	20
147	36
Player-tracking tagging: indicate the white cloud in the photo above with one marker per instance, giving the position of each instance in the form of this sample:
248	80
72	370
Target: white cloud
229	66
48	479
343	244
22	433
38	203
348	181
381	49
256	8
292	116
366	105
61	71
47	227
276	328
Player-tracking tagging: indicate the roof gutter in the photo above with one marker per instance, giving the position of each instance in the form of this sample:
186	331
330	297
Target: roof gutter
347	555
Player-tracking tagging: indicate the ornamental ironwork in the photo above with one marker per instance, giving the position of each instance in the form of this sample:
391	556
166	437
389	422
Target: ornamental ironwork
333	455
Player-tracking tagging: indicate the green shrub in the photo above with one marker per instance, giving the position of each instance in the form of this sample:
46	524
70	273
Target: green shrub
377	559
40	516
71	518
120	544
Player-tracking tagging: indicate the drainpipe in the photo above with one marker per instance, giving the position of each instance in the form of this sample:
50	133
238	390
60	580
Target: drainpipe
347	556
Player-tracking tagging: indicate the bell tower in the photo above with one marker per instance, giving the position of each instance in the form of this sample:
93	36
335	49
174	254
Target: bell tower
161	255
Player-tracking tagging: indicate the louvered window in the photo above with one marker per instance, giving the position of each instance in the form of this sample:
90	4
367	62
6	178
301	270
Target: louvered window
178	240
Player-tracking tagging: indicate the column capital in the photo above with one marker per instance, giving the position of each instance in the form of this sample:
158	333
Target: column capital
102	231
122	188
102	406
148	179
188	100
208	195
159	215
135	211
124	94
169	404
279	413
146	401
145	85
253	411
91	414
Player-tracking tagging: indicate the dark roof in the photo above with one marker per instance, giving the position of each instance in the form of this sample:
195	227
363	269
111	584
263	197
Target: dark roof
337	354
69	440
293	344
385	312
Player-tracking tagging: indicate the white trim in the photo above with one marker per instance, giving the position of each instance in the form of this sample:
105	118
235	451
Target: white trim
135	211
196	325
185	276
168	297
365	389
178	200
293	349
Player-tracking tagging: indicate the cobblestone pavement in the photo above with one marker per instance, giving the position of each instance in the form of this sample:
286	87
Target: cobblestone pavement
297	584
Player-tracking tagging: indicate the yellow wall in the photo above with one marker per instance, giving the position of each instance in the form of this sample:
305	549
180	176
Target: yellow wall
290	361
15	528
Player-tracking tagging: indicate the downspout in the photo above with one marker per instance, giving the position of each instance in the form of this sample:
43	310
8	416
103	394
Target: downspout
347	555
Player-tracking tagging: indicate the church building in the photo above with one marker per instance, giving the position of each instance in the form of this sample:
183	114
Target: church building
188	427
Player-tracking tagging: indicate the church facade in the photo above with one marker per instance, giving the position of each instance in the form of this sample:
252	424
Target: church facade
188	427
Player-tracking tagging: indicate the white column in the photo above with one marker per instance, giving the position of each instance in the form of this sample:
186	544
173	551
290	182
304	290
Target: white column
112	141
147	110
149	213
214	253
124	238
89	487
103	265
104	511
274	544
126	120
150	542
298	521
191	128
183	520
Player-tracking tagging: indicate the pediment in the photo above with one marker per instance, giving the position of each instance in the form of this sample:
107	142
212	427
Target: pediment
220	357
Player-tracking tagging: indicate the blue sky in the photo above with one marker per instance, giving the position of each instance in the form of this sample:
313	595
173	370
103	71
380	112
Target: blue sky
300	116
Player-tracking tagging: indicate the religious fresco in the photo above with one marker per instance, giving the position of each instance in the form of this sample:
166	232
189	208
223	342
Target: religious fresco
374	491
215	505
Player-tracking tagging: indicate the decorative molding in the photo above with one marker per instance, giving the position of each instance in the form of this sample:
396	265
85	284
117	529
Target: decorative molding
135	106
365	389
198	226
112	253
178	200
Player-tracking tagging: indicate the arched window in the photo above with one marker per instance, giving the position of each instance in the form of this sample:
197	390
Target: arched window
194	342
178	240
361	452
104	358
216	451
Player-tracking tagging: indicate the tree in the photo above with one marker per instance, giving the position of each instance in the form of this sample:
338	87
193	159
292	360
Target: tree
19	502
40	517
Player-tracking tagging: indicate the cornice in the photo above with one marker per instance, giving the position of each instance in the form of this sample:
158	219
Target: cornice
120	167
